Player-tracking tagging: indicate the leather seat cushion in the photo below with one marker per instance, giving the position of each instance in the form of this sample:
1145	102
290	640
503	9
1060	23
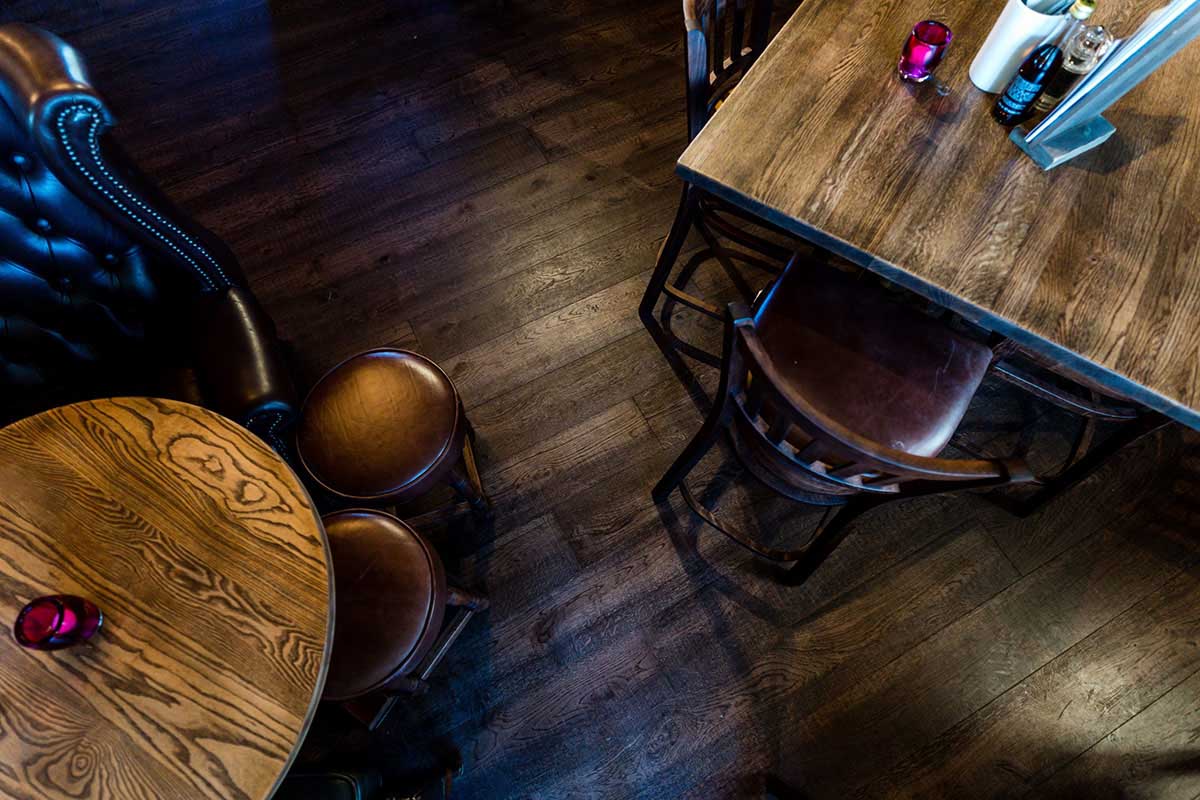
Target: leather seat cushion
391	599
883	369
383	424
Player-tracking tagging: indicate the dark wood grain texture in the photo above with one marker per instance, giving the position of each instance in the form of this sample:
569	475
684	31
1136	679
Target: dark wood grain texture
487	183
212	570
1093	263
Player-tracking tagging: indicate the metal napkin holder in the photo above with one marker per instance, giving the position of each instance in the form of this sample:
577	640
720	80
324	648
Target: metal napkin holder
1076	125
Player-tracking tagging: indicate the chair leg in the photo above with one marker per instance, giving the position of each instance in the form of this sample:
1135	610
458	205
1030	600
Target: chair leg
748	542
726	259
718	418
667	255
1127	435
696	449
833	532
464	479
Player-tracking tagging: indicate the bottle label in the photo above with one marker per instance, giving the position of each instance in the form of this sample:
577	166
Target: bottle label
1019	95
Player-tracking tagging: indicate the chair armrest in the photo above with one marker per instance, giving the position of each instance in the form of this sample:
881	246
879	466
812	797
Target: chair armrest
238	359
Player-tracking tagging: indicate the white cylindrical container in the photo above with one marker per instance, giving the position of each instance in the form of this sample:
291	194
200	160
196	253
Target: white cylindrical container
1018	30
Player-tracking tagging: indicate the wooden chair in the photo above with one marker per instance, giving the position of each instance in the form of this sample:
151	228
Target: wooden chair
391	599
724	38
837	396
385	427
1078	394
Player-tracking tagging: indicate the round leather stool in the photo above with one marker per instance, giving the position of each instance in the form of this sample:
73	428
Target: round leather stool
391	600
386	426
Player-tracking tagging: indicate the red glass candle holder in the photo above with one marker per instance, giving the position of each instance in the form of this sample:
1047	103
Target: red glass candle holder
924	50
56	621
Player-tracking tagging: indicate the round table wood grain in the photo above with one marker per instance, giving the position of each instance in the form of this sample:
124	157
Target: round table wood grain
208	560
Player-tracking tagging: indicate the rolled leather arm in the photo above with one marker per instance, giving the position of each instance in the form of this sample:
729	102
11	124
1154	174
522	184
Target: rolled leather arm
48	89
41	71
239	362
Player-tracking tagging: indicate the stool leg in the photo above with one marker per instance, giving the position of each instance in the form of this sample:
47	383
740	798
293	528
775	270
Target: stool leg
407	685
468	604
461	598
372	709
464	478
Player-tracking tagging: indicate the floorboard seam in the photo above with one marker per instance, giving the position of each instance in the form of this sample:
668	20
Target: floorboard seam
1092	746
1170	577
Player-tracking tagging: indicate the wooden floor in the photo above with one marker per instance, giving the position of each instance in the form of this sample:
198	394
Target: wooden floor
488	183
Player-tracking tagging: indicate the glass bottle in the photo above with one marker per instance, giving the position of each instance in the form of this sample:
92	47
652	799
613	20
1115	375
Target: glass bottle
1016	102
1080	56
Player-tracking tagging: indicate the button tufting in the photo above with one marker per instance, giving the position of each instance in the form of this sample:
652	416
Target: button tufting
42	224
63	284
20	160
110	258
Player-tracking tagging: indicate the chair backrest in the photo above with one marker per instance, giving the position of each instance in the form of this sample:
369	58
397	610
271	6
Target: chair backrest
781	433
89	251
724	37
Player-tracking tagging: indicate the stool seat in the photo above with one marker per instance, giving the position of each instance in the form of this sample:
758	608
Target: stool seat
382	425
391	598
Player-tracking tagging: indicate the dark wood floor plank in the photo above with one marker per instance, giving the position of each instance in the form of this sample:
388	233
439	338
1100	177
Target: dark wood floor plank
1133	480
495	367
582	389
1151	756
465	321
987	652
761	668
601	117
382	276
641	154
328	195
1063	709
589	59
577	460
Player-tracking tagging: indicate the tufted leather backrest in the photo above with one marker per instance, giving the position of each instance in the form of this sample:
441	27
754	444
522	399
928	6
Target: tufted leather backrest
92	260
76	293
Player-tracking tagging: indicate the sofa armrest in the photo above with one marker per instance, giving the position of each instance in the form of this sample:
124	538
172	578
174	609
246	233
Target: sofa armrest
239	361
47	88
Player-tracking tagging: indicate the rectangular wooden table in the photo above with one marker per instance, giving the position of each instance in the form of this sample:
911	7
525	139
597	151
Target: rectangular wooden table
1095	263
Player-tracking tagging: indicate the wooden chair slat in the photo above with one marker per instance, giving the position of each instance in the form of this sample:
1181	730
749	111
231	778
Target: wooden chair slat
777	431
849	470
737	38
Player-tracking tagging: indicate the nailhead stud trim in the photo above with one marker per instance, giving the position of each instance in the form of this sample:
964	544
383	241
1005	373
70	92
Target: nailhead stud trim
94	145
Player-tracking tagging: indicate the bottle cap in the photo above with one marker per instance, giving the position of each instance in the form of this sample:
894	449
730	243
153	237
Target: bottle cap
1082	9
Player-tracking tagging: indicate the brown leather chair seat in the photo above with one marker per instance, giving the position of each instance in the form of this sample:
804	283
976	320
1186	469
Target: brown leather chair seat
838	395
882	369
382	425
391	599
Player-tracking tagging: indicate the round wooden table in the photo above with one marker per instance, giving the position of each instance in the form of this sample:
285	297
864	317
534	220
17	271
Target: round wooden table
208	560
